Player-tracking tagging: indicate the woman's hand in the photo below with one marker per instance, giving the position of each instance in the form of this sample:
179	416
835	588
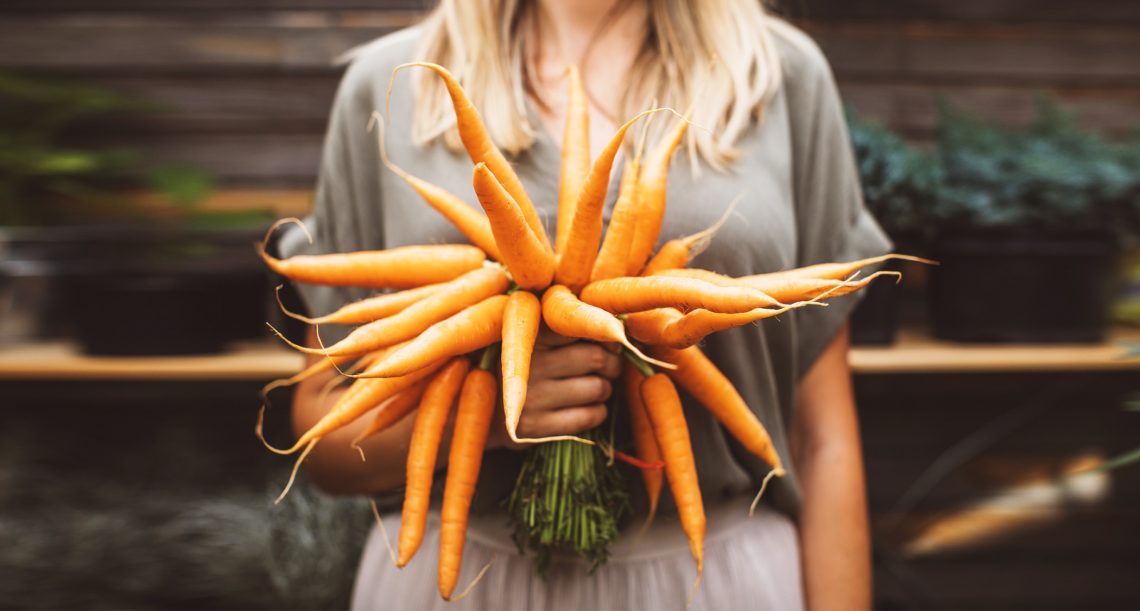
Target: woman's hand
570	381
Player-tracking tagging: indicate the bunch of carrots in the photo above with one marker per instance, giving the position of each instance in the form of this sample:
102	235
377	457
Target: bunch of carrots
462	328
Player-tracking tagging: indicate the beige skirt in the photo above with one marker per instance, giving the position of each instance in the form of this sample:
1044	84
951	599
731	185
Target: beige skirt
750	563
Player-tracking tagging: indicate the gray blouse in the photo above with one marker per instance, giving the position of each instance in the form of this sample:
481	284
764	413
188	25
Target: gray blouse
801	204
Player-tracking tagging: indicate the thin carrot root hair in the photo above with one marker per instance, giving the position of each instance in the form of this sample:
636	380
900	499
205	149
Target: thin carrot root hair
777	472
376	121
296	468
698	242
693	591
474	582
258	429
537	440
648	359
383	532
291	220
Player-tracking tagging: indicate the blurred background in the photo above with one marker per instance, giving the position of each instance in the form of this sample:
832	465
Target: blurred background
144	146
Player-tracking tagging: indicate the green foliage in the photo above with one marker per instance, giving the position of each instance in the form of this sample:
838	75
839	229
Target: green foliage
1051	177
900	183
44	181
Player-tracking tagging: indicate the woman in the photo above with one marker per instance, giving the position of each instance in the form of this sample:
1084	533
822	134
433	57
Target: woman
776	135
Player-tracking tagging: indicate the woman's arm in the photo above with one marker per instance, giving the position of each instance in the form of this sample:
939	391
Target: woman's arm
834	536
569	384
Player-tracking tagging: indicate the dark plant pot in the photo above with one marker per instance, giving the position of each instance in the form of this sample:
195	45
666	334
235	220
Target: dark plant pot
875	321
1032	289
154	290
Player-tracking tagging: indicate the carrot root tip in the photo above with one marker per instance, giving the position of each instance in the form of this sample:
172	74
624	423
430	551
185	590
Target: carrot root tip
384	533
777	472
296	468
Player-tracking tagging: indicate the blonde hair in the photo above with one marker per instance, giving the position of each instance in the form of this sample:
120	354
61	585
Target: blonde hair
715	52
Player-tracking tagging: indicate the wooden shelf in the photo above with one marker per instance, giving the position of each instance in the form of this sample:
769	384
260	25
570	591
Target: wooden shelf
914	352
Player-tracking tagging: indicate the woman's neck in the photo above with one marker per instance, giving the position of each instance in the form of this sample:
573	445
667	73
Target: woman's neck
601	37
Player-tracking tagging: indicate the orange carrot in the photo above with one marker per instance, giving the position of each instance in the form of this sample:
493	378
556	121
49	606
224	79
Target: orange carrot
575	155
652	185
664	408
837	271
467	220
369	309
396	268
308	372
521	319
360	398
472	423
392	411
792	288
576	259
473	328
678	252
431	419
615	246
464	291
530	263
701	379
569	317
649	326
621	295
480	148
643	437
694	326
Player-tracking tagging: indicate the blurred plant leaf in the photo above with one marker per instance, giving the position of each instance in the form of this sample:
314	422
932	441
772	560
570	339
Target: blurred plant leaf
182	185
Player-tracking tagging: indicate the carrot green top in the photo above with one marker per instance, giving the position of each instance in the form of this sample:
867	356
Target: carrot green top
800	205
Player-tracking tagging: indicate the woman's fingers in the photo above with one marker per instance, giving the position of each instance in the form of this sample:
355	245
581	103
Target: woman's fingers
576	359
565	421
567	392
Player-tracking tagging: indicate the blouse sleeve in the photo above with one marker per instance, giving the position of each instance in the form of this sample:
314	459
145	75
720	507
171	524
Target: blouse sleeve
347	211
832	224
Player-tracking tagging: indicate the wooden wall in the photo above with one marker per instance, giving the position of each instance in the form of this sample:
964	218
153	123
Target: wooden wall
246	84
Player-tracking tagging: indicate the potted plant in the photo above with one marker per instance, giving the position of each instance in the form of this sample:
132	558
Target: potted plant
82	258
899	185
1029	224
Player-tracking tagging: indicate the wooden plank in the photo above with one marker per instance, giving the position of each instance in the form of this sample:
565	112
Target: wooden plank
916	353
282	202
255	159
981	53
213	42
219	6
62	361
988	11
912	108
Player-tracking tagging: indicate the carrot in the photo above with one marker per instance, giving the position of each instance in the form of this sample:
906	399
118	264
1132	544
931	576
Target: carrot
791	288
643	437
567	316
475	327
320	366
575	155
701	379
611	261
396	268
694	326
467	220
521	319
480	148
472	423
678	252
361	397
652	185
649	326
621	295
366	310
392	411
664	408
576	260
837	271
531	264
466	290
431	419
